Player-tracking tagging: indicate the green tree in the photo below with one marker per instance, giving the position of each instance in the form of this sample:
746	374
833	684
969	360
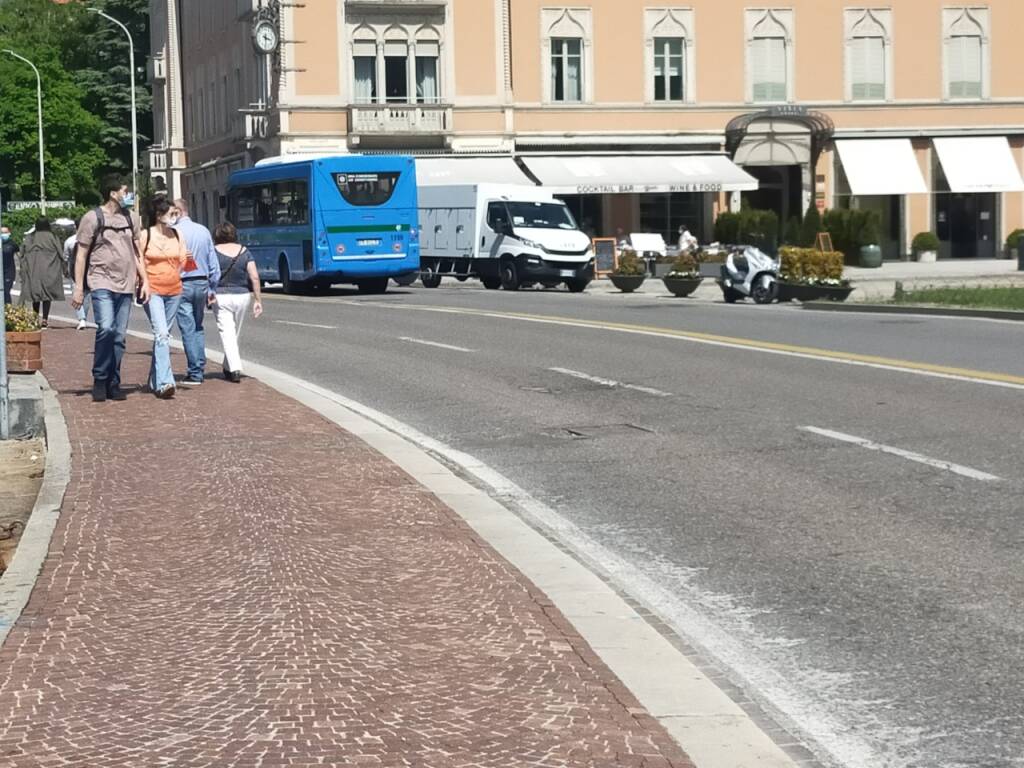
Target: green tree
811	227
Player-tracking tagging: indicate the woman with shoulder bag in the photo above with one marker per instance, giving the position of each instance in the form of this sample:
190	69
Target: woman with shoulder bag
165	255
238	278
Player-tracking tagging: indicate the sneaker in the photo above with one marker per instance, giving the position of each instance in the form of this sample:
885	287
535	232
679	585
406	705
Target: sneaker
191	382
81	325
116	393
166	393
99	392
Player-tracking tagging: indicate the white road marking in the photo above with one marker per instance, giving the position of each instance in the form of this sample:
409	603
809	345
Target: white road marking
449	347
610	382
949	466
306	325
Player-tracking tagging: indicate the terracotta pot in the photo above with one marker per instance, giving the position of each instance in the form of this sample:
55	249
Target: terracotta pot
24	351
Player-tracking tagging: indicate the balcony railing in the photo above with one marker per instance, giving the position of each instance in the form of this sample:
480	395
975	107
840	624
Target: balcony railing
419	119
158	158
253	126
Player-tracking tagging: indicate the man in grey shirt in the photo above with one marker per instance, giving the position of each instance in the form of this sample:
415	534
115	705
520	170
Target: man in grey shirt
200	273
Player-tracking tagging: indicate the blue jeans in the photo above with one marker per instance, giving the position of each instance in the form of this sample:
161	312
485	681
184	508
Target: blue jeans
190	322
110	311
161	311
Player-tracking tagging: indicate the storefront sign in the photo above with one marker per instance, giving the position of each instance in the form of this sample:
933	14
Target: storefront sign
24	205
639	189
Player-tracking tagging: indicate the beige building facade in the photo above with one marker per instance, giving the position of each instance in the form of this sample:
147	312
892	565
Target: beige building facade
914	108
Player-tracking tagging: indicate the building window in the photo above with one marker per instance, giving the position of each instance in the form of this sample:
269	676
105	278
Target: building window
568	55
669	37
397	63
769	54
868	53
966	60
566	69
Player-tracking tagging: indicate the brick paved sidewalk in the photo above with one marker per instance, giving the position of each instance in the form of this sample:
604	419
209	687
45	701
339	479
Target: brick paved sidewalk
236	581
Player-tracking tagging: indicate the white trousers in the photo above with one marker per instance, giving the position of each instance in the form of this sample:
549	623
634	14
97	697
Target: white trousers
230	312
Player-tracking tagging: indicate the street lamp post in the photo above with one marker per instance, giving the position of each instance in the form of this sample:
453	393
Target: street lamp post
39	106
135	127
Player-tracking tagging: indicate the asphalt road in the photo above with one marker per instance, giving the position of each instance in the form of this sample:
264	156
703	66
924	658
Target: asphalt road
872	596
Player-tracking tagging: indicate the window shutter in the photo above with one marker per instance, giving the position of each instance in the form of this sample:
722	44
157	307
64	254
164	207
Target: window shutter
964	65
867	67
768	67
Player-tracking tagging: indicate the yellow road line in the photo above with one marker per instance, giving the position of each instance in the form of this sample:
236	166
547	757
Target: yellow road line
812	353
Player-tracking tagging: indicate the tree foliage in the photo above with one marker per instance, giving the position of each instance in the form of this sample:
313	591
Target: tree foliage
83	63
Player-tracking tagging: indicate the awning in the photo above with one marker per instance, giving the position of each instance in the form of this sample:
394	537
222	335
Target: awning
881	167
601	174
979	164
433	171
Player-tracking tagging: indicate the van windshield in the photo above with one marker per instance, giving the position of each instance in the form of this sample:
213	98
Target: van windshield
541	216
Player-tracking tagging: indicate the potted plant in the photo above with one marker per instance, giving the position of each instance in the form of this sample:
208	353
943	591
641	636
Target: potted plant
925	246
24	339
1013	244
683	279
869	239
795	269
630	273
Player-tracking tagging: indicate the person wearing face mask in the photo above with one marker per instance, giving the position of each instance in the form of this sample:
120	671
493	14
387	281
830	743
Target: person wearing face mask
166	255
197	277
42	275
110	263
10	254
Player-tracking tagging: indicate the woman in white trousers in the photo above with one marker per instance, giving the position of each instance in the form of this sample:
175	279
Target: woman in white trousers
238	286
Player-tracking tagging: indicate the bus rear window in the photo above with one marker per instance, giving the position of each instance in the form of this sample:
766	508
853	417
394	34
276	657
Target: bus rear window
367	188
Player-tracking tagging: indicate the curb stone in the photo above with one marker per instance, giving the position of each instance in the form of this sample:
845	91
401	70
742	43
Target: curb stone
910	309
18	581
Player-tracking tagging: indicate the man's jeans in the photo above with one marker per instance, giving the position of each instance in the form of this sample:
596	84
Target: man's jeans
110	311
161	311
190	322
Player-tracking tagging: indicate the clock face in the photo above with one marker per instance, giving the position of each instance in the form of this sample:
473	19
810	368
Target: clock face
266	37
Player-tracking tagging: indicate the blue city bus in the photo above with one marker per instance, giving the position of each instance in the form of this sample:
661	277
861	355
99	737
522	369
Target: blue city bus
315	222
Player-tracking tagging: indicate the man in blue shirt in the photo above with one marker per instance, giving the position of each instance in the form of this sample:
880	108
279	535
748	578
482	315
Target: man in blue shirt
196	291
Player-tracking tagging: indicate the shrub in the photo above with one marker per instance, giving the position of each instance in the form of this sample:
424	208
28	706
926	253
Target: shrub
20	319
791	235
630	264
811	227
926	241
869	228
727	228
684	265
810	266
1013	239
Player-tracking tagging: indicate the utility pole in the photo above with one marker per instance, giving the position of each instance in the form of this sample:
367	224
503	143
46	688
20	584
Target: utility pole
5	419
135	126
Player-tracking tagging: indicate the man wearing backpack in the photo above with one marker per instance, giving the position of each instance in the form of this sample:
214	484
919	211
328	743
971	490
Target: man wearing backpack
109	265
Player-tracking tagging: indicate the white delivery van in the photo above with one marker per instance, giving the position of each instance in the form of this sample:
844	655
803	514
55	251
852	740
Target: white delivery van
507	236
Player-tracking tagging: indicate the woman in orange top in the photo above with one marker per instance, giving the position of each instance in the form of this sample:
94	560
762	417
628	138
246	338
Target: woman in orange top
165	255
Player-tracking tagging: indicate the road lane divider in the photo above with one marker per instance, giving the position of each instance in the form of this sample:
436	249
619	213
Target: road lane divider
305	325
610	383
437	344
988	378
870	445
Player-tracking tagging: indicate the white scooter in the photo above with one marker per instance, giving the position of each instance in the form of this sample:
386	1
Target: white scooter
750	272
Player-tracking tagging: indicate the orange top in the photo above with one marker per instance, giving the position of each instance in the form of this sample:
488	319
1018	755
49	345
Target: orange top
165	257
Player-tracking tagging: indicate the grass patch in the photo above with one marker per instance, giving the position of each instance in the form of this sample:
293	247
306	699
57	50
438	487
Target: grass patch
996	297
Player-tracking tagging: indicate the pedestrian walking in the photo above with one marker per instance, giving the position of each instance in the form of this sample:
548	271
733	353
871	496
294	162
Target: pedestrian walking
199	275
165	255
109	265
10	257
42	278
238	279
70	254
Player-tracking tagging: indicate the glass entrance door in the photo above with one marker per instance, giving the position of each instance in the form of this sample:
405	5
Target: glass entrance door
966	225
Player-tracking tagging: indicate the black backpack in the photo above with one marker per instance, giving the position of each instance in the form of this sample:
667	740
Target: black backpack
101	227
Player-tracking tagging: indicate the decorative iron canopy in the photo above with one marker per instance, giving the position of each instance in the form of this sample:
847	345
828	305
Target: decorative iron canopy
818	124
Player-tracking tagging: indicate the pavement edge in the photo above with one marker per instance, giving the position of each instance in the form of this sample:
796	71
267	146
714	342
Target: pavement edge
19	580
905	309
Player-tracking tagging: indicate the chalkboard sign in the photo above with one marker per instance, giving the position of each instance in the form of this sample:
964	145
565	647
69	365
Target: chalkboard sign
606	255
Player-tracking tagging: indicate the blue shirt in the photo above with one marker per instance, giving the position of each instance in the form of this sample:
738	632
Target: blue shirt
200	245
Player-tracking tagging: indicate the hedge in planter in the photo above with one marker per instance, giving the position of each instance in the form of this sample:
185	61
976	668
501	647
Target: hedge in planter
807	274
925	243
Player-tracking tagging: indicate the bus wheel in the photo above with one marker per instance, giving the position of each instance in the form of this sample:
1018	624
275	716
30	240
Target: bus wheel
491	283
375	285
509	276
289	285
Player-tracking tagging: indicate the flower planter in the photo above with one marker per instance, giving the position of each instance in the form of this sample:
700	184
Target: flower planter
798	292
682	286
870	256
834	293
24	351
628	283
927	257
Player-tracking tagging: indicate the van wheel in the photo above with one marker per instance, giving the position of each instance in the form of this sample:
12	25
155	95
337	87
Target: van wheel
285	275
376	285
430	278
577	286
509	276
491	283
